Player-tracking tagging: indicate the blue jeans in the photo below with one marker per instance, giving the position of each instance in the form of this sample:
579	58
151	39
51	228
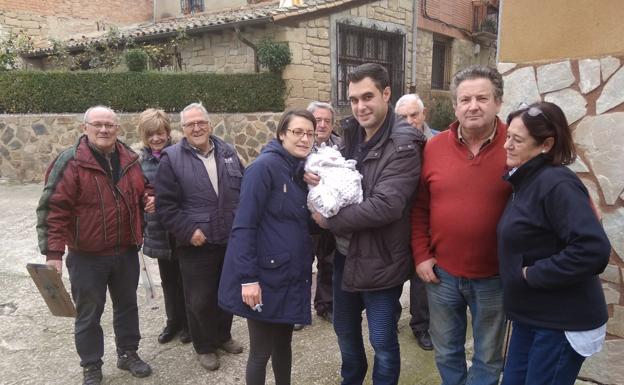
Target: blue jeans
540	357
380	308
448	301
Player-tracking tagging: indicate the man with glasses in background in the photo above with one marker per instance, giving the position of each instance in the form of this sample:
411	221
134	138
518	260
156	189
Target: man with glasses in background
197	190
92	203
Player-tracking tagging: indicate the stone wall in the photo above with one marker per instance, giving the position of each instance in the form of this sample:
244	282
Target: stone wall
28	143
591	94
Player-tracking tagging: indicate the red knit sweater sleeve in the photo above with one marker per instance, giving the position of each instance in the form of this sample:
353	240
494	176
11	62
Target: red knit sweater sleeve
421	238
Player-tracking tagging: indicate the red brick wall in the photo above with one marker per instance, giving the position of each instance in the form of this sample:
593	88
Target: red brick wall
114	11
457	13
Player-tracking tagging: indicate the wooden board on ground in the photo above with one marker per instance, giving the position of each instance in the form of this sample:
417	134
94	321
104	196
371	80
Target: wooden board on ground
51	287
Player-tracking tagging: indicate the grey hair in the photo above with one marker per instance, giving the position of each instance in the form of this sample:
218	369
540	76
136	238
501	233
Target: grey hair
409	98
193	106
476	72
85	118
313	106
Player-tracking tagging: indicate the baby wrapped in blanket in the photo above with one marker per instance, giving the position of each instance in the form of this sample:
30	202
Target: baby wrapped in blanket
340	185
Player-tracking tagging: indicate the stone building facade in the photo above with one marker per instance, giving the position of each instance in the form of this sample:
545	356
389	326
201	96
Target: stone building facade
326	38
589	91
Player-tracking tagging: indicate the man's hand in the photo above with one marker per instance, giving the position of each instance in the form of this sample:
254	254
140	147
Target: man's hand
319	219
198	238
150	205
252	294
311	178
425	271
57	264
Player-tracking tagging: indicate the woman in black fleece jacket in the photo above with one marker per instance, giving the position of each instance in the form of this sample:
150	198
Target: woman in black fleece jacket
551	250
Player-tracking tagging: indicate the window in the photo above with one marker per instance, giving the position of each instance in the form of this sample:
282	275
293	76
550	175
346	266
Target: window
357	45
441	63
192	6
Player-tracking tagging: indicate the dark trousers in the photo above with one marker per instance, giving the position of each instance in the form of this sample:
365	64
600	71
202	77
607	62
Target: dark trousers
173	293
201	270
324	248
269	340
419	307
539	356
90	276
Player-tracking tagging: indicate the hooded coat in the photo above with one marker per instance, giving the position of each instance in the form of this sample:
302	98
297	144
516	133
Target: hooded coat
270	241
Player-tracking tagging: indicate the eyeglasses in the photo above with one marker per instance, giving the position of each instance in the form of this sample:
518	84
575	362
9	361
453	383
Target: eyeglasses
201	124
106	126
300	133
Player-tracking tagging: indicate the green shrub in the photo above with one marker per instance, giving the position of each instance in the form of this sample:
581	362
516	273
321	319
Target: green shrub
274	56
61	92
136	59
441	113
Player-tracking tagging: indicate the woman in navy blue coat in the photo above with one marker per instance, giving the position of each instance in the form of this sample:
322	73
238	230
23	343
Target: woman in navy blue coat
551	249
267	271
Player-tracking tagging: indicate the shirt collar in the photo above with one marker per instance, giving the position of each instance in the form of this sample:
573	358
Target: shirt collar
489	139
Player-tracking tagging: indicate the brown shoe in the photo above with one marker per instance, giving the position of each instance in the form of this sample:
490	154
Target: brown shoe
232	347
209	361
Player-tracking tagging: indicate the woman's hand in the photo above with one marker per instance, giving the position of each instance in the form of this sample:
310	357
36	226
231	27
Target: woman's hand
252	294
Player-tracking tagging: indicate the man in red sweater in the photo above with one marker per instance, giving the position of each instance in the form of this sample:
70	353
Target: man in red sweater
460	199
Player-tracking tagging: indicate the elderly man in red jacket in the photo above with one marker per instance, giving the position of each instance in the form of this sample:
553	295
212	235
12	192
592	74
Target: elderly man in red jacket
92	203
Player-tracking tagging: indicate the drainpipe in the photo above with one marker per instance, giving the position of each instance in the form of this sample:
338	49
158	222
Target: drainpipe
250	44
414	45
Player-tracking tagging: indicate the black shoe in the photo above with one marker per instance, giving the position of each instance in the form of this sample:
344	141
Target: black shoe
298	327
92	375
424	339
185	336
167	334
131	362
327	316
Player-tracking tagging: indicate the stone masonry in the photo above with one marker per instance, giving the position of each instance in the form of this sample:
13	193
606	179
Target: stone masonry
28	143
589	91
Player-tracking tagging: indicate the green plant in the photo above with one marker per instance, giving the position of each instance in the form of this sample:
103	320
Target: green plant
273	55
441	113
10	49
136	59
489	25
63	92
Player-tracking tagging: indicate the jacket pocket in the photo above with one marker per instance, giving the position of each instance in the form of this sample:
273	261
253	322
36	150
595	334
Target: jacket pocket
275	269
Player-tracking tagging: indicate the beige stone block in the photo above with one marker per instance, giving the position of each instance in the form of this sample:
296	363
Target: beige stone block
320	51
310	83
310	93
612	295
615	325
312	32
323	33
309	62
297	35
300	72
315	41
406	4
218	51
324	60
297	52
324	96
611	274
294	88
